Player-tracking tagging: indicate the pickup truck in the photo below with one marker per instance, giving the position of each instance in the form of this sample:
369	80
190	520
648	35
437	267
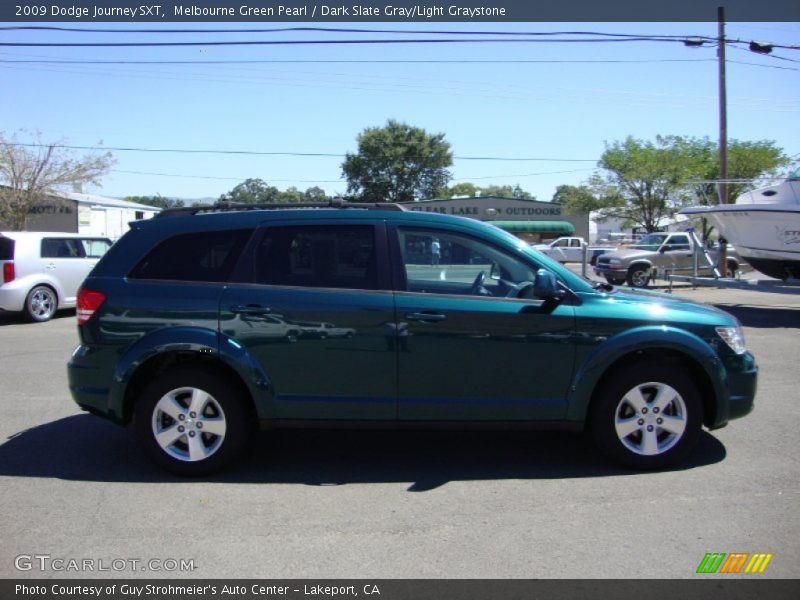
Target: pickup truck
656	253
570	249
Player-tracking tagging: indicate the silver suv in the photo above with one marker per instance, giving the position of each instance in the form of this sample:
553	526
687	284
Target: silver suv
41	272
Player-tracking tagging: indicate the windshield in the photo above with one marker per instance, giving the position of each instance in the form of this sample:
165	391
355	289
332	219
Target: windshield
651	241
795	174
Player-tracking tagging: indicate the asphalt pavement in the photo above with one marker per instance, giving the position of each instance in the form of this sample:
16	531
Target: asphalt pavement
332	504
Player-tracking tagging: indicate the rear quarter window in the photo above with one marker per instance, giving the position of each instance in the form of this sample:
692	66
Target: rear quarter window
6	248
207	256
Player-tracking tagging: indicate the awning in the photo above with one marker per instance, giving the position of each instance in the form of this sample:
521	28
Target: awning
564	227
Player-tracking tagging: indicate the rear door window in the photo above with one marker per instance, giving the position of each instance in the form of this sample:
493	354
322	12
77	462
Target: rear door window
322	256
201	256
62	248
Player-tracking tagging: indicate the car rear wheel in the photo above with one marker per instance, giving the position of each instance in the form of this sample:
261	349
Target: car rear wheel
41	304
190	422
648	417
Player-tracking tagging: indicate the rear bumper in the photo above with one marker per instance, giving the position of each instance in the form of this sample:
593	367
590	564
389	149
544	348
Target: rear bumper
89	383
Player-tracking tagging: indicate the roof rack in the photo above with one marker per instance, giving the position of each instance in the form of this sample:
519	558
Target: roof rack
238	206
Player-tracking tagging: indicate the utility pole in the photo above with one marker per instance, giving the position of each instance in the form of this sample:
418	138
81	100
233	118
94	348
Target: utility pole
723	109
722	265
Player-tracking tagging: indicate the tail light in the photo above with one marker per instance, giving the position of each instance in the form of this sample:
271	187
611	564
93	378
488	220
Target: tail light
8	272
88	302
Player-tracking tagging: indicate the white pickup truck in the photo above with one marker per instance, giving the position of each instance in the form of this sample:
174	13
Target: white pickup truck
570	249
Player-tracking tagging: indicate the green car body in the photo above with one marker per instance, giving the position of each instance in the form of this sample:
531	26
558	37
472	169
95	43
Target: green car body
411	355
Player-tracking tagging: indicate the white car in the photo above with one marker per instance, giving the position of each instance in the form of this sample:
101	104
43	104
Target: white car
42	271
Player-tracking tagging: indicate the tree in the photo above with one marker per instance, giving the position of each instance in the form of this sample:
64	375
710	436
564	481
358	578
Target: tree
157	200
29	173
581	199
464	188
315	194
397	163
504	191
645	182
747	161
251	191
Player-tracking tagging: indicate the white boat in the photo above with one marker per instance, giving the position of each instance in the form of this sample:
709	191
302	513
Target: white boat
763	225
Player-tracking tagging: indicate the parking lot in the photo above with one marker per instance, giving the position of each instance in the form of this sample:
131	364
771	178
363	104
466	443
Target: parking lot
401	504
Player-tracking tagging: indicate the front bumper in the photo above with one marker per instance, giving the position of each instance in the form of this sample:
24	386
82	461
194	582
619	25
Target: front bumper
741	383
12	296
607	271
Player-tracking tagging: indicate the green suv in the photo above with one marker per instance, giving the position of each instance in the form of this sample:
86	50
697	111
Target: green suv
198	325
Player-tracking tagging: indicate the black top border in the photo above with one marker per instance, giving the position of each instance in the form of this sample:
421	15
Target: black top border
387	11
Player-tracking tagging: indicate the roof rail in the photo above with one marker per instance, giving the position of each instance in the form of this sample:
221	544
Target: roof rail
225	206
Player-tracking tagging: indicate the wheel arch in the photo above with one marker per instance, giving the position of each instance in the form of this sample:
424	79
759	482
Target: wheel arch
164	349
661	344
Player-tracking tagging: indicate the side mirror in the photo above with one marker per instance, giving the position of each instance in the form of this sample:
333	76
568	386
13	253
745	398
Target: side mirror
545	286
664	248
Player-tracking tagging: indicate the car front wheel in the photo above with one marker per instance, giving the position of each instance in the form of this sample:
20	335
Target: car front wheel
638	276
648	417
190	421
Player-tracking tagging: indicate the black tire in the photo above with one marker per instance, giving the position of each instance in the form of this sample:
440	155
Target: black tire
613	281
41	304
612	414
292	337
172	390
733	266
638	276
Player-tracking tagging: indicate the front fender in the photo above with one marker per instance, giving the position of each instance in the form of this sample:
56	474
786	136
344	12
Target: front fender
652	337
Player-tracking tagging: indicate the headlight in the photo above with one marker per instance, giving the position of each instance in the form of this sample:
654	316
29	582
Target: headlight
614	261
734	337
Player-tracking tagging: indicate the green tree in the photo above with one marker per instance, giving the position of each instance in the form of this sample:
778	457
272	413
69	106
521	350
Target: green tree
315	194
463	188
645	182
747	161
397	163
251	191
290	195
582	199
504	191
507	191
157	200
29	173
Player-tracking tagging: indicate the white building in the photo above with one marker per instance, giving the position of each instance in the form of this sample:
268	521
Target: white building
87	214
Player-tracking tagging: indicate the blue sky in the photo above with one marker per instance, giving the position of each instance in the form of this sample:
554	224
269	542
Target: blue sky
564	111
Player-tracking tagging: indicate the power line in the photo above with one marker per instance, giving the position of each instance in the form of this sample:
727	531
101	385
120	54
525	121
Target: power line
348	30
323	42
601	34
326	61
282	153
482	177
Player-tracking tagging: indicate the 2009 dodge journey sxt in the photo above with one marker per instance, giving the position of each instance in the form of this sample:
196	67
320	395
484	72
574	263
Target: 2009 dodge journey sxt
201	324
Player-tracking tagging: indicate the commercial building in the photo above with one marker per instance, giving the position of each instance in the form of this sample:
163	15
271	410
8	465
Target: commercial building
87	214
531	220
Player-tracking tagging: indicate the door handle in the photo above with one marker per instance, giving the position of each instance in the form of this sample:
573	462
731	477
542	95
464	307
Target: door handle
50	266
250	309
426	317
